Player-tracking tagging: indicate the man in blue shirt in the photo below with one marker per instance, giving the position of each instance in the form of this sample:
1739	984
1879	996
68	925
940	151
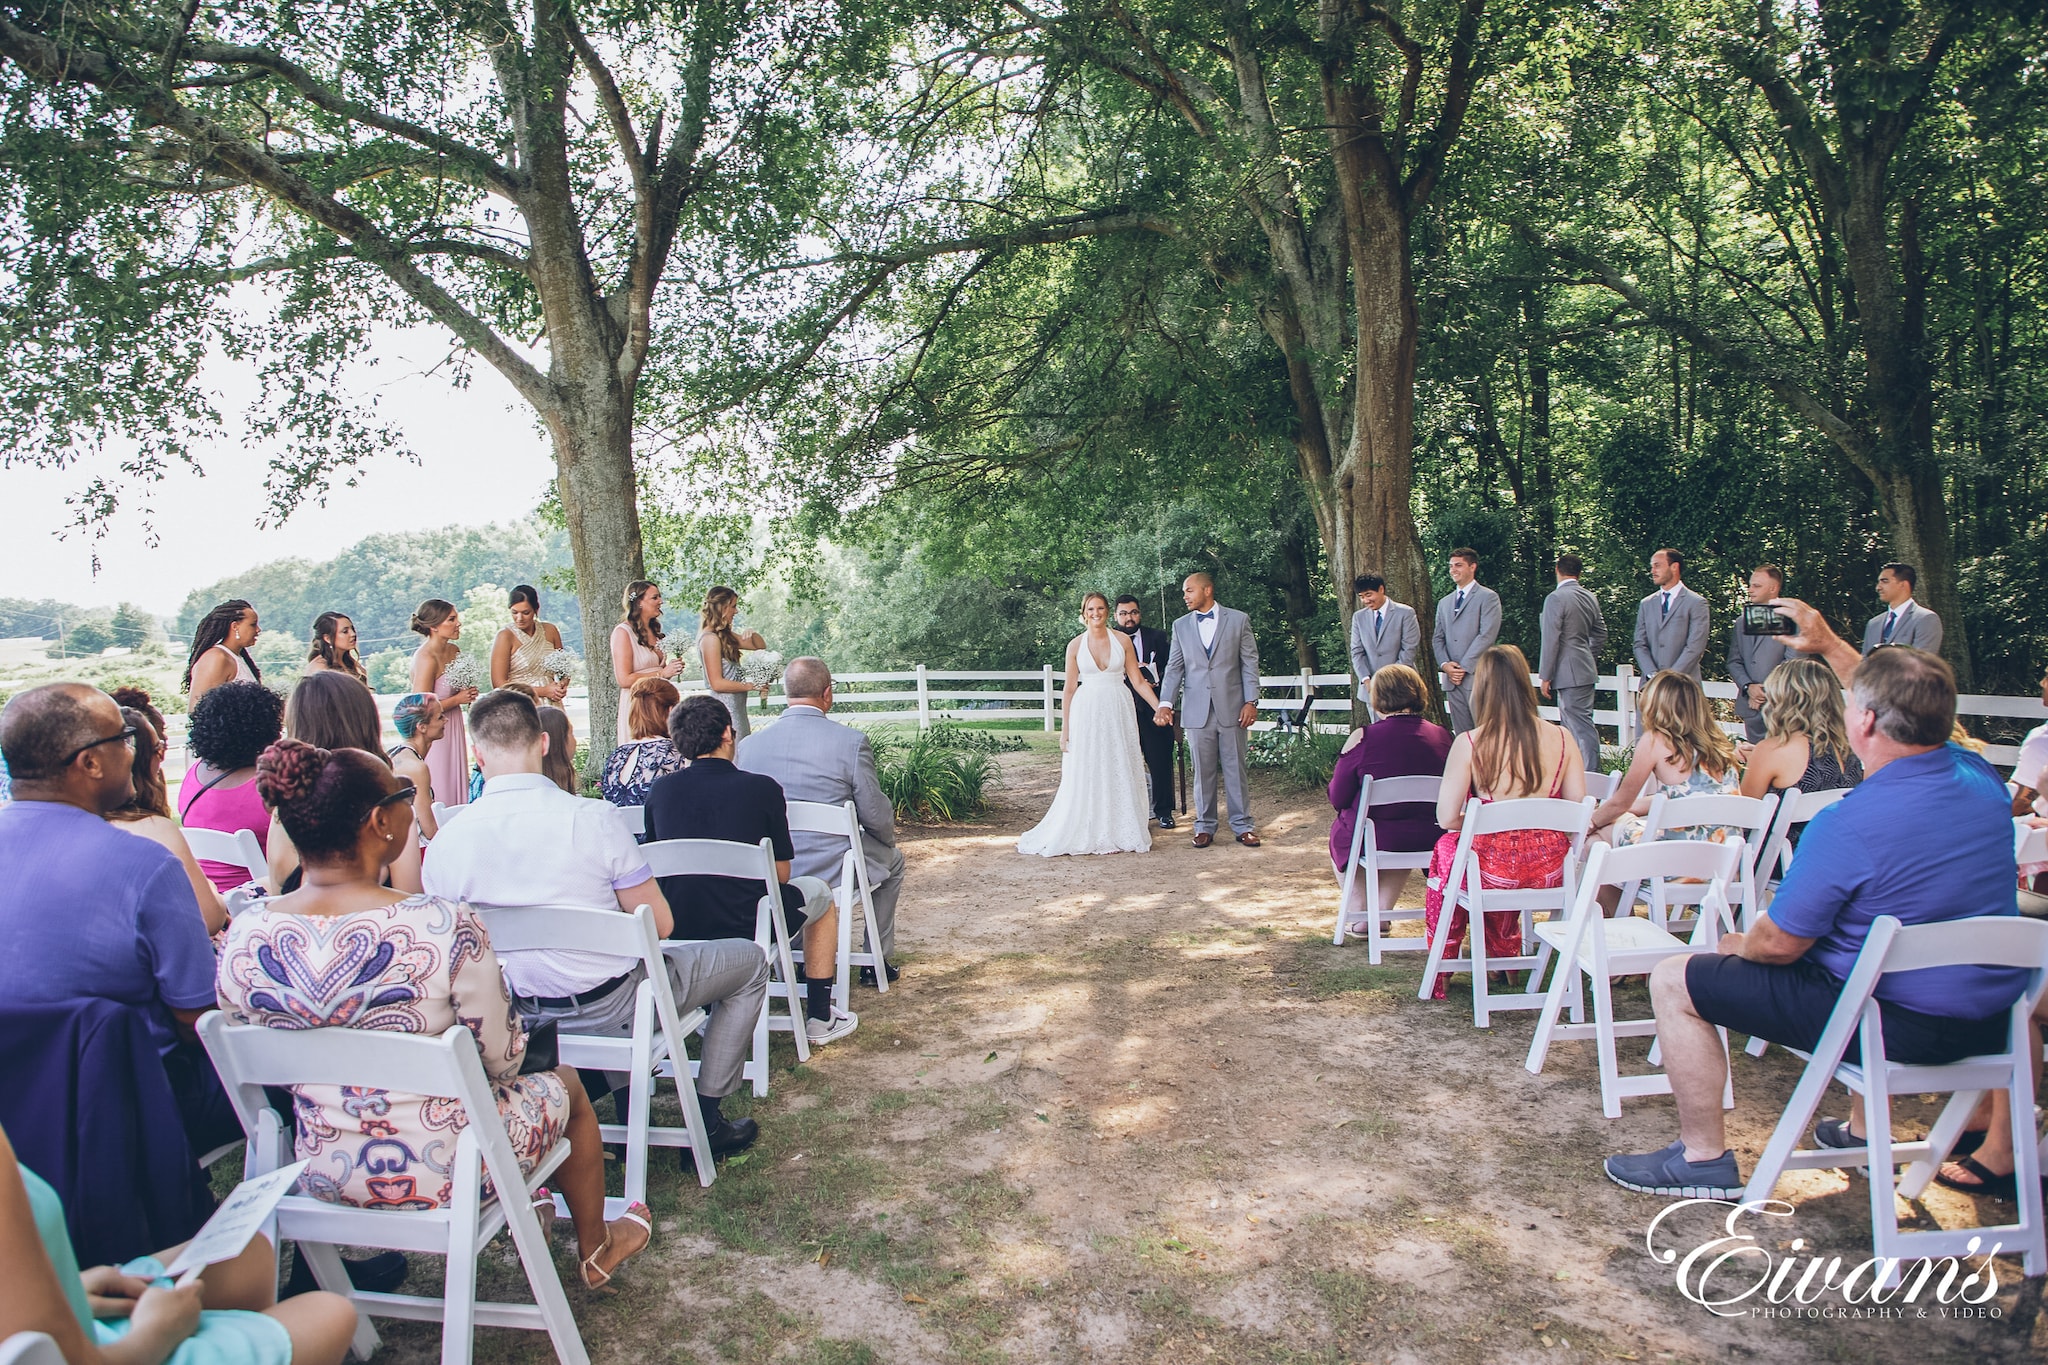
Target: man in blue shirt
1927	838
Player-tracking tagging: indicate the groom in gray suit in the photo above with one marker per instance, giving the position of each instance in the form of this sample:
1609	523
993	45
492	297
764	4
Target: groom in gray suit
1467	625
1215	661
815	758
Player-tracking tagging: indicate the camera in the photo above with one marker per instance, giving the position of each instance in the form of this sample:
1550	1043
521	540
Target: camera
1767	621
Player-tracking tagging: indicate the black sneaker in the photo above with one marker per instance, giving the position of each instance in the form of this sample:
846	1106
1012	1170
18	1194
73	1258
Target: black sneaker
379	1274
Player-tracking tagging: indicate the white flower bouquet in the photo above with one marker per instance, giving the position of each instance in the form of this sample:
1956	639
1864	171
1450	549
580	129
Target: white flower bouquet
761	668
561	665
683	647
462	673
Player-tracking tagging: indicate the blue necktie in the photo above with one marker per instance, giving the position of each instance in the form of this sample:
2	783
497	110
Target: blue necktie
1379	623
1667	606
1889	622
1459	605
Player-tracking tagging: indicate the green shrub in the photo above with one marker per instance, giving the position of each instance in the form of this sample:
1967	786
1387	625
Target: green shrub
1303	759
951	734
928	782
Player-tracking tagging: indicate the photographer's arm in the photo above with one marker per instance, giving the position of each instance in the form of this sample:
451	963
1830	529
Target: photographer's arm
1818	638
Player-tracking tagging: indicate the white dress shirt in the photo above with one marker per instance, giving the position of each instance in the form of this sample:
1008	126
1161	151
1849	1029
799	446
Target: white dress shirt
1207	630
525	841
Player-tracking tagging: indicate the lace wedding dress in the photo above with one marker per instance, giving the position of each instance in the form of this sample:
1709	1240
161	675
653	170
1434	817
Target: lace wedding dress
1101	805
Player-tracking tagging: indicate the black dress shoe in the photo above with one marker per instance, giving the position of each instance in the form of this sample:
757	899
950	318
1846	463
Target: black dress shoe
867	974
1166	822
726	1136
379	1274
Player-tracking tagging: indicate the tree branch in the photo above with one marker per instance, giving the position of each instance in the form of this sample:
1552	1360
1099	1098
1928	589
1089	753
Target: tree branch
1458	84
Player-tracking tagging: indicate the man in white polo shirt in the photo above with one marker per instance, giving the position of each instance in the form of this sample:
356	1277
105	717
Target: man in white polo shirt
528	842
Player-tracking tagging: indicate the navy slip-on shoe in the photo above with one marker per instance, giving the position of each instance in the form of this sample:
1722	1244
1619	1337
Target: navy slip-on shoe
1668	1173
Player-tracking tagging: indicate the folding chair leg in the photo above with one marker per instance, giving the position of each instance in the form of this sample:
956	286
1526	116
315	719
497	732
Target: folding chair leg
639	1107
1433	968
1798	1116
1604	1045
330	1274
1344	885
458	1291
1475	944
1948	1126
792	990
539	1265
842	982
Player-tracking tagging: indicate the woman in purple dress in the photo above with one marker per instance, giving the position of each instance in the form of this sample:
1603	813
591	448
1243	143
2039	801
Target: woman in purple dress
1399	744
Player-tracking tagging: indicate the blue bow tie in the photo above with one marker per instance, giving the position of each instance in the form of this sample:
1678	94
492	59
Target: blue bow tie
1205	616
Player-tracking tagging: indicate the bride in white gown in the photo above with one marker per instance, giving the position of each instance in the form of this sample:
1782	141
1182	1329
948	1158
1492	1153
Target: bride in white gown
1101	806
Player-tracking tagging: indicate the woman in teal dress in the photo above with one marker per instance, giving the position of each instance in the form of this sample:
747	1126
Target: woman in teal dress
131	1315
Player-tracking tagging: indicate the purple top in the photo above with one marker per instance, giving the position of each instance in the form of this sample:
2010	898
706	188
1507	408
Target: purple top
1393	746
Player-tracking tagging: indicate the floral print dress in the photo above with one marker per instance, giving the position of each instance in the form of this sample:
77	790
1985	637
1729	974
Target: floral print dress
422	965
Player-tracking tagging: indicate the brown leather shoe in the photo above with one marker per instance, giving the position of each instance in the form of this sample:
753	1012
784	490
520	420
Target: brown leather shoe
1204	840
1248	839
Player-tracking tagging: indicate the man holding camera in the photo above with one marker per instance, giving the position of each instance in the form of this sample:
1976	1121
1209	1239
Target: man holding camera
1752	654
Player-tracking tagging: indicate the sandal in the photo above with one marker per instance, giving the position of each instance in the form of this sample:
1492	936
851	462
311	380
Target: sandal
1987	1182
544	1210
595	1276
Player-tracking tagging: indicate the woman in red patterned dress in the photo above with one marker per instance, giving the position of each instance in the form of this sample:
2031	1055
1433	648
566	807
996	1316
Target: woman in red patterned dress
1511	752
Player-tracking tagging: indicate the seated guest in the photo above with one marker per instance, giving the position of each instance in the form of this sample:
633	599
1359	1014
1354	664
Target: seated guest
713	799
2027	779
345	951
88	911
476	776
417	718
1399	744
148	812
1926	837
120	1314
1680	752
526	842
558	764
649	753
1510	752
1804	747
227	729
328	711
814	758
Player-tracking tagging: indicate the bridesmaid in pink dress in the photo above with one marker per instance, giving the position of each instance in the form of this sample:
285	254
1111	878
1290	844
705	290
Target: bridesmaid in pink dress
448	760
636	646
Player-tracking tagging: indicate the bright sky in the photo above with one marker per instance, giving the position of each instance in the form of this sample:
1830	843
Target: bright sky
482	460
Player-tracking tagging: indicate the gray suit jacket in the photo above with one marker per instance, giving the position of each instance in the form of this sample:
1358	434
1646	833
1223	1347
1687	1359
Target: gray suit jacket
1399	642
1461	637
1750	660
1574	633
815	758
1677	641
1216	681
1917	627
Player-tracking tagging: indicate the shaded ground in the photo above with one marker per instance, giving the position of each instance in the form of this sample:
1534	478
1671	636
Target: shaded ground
1138	1109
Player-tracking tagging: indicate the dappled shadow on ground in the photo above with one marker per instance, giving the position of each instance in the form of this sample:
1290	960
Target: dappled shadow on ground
1137	1108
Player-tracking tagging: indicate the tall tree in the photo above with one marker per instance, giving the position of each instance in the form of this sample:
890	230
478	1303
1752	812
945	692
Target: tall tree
520	177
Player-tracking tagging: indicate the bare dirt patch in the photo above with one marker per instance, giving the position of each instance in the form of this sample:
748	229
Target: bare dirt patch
1138	1109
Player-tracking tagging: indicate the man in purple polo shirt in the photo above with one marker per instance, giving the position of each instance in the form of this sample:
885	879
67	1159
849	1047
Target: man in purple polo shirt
1927	838
90	911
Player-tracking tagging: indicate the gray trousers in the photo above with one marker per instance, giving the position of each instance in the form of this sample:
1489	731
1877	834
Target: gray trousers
1210	746
882	933
726	976
1458	701
1753	726
1575	713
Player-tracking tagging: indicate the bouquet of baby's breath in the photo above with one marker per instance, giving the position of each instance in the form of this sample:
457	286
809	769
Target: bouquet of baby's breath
463	673
561	665
685	648
761	668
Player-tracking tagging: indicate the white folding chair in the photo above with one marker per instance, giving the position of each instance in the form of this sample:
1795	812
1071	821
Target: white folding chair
2030	845
240	849
241	898
443	814
658	1037
843	821
249	1057
1750	815
1366	859
755	863
1463	888
30	1348
1601	785
1990	940
1593	948
635	818
1795	808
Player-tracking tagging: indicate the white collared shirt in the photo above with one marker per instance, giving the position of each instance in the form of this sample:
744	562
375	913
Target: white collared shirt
1207	630
525	841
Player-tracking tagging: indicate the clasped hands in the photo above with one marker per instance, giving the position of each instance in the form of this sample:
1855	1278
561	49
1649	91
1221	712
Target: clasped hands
1246	714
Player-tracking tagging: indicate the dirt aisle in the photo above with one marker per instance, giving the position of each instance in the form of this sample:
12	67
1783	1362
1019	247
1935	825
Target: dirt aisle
1138	1109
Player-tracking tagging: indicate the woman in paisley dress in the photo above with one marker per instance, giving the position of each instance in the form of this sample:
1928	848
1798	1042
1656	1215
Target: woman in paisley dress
517	652
346	952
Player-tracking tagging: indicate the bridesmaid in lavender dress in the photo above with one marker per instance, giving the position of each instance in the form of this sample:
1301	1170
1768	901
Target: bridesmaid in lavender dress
448	760
636	646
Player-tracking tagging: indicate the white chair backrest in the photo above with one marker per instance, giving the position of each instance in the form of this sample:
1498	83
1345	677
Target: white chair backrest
1795	808
519	928
1691	859
1983	941
2029	844
30	1348
1601	785
249	1057
1751	813
820	817
634	816
241	849
443	814
1531	812
1399	791
712	858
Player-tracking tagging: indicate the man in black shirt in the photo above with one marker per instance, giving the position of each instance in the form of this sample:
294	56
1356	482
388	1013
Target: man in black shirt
712	799
1155	741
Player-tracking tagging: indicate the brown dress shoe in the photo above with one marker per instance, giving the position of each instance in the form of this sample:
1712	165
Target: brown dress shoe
1248	839
1204	840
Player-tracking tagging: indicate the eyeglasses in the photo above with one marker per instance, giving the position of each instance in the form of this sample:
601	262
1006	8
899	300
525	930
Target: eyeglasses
125	735
404	793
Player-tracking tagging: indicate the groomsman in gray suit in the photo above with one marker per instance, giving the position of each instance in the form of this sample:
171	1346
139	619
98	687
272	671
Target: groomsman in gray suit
1214	668
1671	623
1574	633
1752	657
1382	632
1467	625
1903	621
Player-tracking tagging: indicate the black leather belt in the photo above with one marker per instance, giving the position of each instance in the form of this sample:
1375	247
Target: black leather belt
597	992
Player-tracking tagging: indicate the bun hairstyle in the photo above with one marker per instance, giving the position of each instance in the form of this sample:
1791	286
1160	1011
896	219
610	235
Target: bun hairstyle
213	630
322	796
137	699
430	614
525	593
646	632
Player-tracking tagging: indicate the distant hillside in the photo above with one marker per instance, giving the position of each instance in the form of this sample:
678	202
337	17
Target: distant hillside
378	581
79	630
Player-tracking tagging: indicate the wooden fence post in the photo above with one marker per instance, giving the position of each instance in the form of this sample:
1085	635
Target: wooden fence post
924	700
1049	694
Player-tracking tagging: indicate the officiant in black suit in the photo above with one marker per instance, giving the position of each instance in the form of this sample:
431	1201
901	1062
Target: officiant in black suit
1152	647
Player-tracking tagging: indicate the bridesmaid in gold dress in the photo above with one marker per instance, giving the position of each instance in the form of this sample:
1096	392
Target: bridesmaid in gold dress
517	652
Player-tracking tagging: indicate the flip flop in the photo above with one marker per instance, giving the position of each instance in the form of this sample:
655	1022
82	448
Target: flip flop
1989	1183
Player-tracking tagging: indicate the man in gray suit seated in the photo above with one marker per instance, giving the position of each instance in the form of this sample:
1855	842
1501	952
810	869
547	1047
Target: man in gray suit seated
1903	621
1382	632
1671	623
1568	666
1752	657
815	758
1467	625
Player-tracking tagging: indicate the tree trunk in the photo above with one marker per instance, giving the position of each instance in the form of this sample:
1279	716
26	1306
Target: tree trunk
1299	594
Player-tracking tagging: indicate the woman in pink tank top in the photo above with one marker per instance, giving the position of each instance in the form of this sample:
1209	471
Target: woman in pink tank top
230	726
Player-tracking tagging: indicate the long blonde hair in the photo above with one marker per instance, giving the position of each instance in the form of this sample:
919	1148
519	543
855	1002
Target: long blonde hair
1674	708
711	618
1801	697
1507	746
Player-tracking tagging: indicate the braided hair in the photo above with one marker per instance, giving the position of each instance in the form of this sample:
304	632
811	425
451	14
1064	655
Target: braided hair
322	795
213	630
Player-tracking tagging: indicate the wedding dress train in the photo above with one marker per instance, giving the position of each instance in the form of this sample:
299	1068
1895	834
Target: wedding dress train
1101	806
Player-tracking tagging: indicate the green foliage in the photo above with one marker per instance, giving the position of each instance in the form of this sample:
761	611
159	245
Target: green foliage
951	734
1303	759
929	780
88	637
390	671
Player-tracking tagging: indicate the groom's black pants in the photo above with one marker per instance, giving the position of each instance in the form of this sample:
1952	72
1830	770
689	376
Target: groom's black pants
1156	741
